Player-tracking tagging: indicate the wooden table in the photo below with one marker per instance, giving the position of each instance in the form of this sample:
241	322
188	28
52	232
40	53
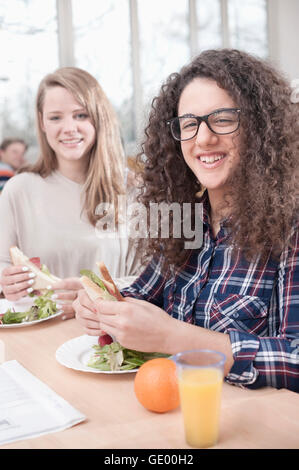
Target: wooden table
265	418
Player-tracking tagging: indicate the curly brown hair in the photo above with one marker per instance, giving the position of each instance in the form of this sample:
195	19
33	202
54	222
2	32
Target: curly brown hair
264	187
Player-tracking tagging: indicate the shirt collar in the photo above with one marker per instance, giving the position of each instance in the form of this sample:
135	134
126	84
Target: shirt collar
204	200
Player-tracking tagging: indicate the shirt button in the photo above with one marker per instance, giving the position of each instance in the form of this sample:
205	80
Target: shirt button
235	315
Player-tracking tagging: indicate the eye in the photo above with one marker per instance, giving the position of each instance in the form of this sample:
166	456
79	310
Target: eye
82	116
54	118
188	123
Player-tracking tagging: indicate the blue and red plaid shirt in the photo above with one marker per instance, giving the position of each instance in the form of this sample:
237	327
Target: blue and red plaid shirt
256	303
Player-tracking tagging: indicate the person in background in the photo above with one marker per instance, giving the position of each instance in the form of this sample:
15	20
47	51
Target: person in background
12	153
224	127
50	208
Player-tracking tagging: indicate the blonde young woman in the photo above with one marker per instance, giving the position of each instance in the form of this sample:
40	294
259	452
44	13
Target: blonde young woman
50	209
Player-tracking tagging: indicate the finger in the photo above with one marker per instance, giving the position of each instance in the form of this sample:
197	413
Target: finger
19	286
9	270
83	313
71	283
68	312
17	278
71	295
109	307
85	300
86	321
16	295
110	330
91	332
108	321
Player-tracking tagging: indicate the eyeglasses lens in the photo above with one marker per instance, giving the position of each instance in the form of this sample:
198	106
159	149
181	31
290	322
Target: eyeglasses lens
220	122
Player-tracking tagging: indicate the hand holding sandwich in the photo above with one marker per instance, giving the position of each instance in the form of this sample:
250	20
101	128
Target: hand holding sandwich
27	275
135	324
16	282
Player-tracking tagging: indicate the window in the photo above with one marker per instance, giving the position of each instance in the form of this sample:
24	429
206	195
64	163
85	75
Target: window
208	16
130	46
164	41
248	26
28	36
102	47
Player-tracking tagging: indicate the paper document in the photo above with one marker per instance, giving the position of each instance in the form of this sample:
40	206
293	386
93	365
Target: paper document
28	407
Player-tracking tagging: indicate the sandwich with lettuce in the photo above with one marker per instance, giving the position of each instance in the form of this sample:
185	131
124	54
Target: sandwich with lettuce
43	279
109	355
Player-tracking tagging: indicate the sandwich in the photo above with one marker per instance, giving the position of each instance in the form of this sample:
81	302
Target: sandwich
43	279
102	288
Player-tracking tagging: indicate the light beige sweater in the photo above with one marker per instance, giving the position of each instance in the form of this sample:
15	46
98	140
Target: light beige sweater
42	216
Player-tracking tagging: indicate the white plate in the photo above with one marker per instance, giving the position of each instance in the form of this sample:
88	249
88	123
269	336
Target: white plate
76	353
21	306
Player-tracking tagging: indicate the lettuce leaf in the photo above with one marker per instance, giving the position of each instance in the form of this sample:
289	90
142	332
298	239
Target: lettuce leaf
93	277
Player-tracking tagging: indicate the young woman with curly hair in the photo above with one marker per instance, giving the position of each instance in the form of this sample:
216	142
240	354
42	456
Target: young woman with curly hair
225	133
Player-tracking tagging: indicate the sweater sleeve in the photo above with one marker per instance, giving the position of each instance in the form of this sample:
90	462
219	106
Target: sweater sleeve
273	361
8	236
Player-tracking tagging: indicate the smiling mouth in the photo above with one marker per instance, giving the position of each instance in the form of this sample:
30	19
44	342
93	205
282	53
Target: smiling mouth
71	142
212	161
211	158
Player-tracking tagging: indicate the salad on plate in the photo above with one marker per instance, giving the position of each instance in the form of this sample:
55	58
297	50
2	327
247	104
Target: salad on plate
43	307
113	357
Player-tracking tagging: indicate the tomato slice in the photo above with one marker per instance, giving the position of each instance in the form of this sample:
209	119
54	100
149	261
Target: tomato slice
104	339
36	261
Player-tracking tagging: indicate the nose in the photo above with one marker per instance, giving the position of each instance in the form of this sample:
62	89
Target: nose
204	135
69	125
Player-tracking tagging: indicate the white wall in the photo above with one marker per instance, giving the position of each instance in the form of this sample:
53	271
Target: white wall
284	35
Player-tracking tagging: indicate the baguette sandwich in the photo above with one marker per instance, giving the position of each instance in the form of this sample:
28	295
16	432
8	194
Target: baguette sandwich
43	279
102	288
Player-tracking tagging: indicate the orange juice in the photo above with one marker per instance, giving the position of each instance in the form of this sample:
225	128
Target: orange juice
200	394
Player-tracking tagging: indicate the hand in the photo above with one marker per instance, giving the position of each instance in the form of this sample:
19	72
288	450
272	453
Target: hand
16	282
135	324
66	291
86	314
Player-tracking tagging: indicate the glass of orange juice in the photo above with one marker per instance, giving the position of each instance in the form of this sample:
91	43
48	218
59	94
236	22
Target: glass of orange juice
200	377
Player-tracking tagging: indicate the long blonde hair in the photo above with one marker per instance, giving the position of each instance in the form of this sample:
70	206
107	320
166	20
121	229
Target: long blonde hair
105	174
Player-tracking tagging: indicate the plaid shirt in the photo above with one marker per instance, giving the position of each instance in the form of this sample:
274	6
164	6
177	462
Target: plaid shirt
256	303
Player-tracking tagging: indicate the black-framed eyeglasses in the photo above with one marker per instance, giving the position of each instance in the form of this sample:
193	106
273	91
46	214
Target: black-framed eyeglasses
221	121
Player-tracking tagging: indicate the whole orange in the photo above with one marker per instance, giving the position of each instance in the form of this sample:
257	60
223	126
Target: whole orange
156	385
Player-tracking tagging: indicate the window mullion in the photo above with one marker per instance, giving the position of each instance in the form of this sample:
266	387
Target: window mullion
224	23
193	28
65	33
137	87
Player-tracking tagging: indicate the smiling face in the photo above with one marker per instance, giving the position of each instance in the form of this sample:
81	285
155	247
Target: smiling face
67	126
14	154
211	157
